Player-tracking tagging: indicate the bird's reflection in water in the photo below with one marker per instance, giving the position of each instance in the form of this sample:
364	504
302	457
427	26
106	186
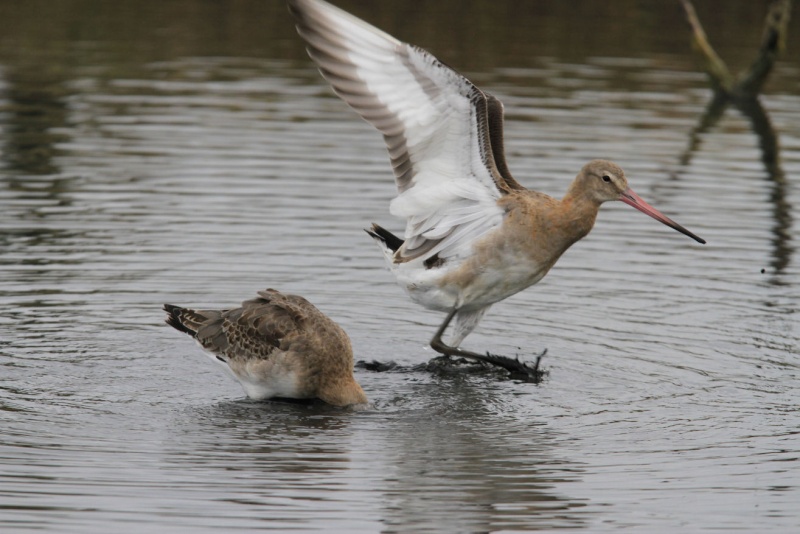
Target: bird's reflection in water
441	445
456	467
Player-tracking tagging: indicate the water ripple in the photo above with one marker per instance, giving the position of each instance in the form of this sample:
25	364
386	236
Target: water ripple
672	390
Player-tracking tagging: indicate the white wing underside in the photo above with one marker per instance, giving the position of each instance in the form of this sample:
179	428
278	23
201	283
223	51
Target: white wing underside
434	122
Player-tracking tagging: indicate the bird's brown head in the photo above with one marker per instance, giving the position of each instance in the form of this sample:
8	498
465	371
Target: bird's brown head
602	180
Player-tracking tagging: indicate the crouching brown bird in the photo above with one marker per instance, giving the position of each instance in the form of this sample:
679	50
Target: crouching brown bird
276	346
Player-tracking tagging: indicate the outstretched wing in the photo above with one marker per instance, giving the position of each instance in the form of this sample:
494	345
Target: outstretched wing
444	135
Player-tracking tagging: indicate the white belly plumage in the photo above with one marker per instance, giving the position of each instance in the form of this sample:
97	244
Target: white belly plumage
260	387
490	285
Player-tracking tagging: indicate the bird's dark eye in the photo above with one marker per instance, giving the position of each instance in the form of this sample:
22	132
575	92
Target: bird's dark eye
606	178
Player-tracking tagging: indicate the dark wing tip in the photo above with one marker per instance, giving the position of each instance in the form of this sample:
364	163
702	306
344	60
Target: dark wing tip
494	120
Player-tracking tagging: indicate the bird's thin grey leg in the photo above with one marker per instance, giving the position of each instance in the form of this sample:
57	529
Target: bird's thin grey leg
516	367
436	343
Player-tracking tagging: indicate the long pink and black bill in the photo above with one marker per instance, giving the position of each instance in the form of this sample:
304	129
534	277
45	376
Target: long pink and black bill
632	199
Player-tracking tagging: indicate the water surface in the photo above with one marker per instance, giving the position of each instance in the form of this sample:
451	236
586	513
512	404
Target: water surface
189	153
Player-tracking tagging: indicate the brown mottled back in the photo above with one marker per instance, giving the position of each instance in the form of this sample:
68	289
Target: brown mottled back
280	335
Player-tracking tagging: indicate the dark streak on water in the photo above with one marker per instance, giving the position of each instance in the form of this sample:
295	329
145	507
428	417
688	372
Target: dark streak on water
177	152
